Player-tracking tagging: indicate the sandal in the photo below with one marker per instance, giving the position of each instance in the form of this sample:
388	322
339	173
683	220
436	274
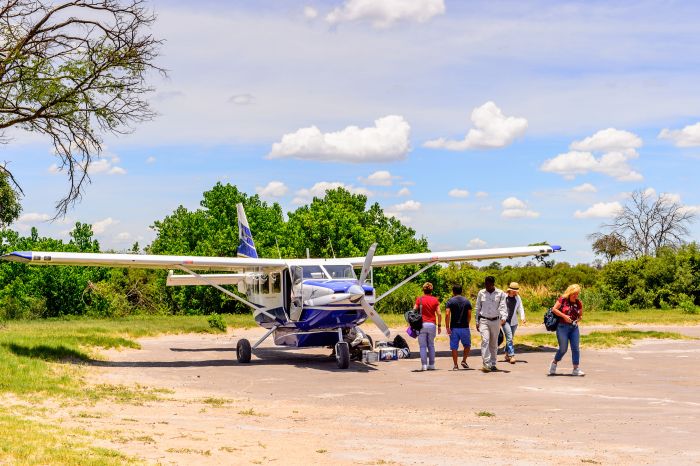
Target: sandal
455	368
465	365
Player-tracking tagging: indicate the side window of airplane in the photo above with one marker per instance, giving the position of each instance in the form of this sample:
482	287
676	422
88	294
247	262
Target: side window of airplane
275	283
264	284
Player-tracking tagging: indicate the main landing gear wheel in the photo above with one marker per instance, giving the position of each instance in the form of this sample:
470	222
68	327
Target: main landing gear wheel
243	351
342	355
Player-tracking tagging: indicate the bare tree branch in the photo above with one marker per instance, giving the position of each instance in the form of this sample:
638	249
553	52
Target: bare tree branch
648	223
75	70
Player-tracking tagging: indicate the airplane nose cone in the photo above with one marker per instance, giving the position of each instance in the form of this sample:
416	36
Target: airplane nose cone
357	292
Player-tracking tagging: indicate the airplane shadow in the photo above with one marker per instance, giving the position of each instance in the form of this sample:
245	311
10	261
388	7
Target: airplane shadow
262	357
198	350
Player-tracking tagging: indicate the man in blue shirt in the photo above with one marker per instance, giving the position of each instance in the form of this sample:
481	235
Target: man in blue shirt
459	313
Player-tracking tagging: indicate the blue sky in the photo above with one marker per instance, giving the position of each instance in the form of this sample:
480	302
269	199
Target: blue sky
484	124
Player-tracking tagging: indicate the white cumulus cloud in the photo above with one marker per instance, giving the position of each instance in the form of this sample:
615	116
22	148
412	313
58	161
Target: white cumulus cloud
123	236
272	189
379	178
618	147
319	190
386	141
491	130
515	208
404	192
608	140
102	225
600	210
384	13
409	205
689	136
476	243
310	12
481	194
107	166
150	160
33	217
585	188
458	193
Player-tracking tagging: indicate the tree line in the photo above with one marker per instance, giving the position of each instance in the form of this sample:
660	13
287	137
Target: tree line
339	224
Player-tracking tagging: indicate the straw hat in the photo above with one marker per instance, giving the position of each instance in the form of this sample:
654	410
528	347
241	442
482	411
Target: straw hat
513	286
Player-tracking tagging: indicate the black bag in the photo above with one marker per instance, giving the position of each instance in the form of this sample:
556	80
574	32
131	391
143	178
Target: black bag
414	317
551	321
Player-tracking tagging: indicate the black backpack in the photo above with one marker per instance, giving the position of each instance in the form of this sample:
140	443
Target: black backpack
414	317
551	321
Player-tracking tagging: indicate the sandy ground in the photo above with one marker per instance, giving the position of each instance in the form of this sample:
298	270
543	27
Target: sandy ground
638	405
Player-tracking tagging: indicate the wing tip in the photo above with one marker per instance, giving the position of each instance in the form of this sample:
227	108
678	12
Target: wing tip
17	256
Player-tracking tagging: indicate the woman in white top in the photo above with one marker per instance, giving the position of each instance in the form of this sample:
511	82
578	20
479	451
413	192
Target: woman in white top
514	305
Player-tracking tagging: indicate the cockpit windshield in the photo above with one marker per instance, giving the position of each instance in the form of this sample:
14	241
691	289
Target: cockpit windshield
313	271
340	271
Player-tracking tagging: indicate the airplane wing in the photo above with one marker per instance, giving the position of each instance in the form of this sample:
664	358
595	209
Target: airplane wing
150	261
457	256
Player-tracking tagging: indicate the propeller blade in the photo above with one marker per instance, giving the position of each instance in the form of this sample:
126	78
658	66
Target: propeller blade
368	263
372	314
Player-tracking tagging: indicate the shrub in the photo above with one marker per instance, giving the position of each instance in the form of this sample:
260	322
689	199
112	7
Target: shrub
620	305
400	300
216	321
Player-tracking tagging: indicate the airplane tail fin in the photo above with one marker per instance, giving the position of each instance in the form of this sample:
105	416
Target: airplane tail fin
246	246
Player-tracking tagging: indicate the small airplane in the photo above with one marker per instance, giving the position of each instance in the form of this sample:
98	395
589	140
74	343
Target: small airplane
303	302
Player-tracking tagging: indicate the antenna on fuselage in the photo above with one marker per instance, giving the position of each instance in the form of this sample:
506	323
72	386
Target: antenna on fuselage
308	256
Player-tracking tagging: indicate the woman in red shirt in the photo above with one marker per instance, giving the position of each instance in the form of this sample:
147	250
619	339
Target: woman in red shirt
430	311
569	309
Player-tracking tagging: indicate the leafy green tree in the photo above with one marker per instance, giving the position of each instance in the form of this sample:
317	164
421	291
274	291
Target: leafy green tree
609	245
341	225
72	70
10	207
213	231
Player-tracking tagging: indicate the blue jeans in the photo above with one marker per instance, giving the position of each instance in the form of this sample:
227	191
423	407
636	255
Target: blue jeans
509	331
568	333
426	341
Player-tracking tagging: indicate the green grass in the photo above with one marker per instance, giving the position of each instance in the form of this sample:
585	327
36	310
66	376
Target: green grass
30	350
485	414
30	442
600	339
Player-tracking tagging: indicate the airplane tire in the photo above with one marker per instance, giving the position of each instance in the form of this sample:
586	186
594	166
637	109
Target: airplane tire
243	351
342	355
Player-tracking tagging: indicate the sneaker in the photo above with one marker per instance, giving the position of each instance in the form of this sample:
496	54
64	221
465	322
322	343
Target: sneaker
511	359
493	369
553	368
465	365
485	368
431	367
578	372
424	367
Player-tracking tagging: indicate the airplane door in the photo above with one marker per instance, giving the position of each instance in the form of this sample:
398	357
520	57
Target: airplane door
297	300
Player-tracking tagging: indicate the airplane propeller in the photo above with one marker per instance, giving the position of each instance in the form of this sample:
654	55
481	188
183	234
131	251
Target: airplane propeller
369	310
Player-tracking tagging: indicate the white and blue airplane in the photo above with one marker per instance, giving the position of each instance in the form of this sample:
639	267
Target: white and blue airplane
302	302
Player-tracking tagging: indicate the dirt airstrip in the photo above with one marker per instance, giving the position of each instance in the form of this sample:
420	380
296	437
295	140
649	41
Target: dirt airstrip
637	405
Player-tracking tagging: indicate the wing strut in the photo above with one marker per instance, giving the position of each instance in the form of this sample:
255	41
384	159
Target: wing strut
396	287
265	336
227	292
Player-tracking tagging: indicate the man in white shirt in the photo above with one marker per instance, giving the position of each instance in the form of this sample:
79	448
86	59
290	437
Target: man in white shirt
491	314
